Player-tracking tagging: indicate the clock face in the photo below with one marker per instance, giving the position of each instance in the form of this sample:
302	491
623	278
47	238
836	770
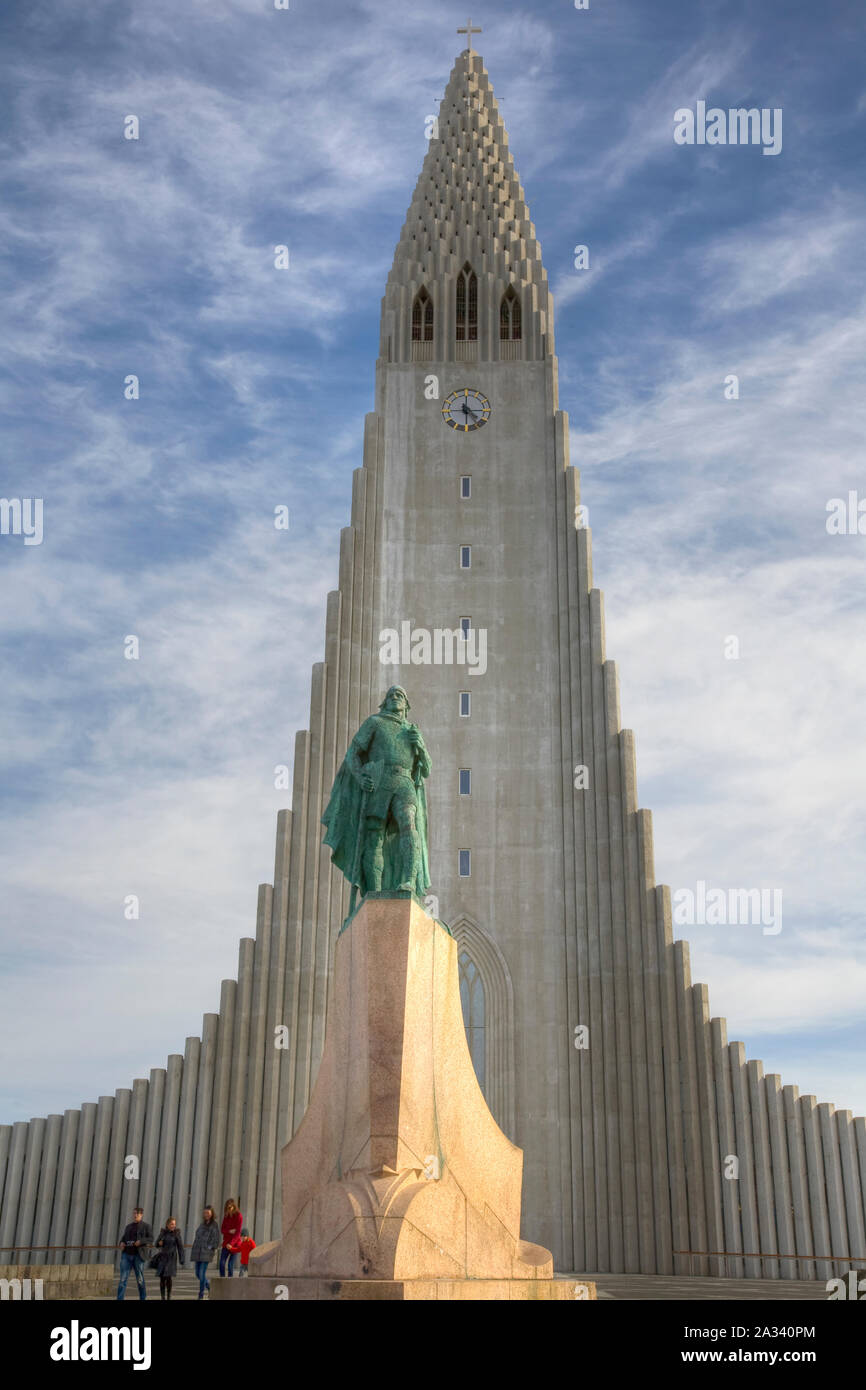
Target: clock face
466	409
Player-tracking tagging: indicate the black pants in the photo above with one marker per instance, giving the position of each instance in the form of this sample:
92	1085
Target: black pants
165	1286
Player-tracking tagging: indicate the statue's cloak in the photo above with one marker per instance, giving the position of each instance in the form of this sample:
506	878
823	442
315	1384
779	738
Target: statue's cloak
343	817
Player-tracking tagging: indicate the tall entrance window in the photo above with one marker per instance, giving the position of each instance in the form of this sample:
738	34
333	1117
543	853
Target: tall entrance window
487	1001
472	1000
466	325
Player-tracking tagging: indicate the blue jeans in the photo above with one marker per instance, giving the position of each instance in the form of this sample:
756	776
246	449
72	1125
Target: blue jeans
201	1275
127	1263
232	1259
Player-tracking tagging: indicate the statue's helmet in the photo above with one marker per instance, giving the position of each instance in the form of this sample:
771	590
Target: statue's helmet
395	690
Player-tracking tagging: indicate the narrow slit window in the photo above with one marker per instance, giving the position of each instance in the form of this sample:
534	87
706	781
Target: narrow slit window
465	557
465	627
465	704
466	487
464	781
464	863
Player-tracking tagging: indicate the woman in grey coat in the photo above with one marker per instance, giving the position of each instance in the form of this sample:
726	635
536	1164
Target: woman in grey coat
169	1249
207	1242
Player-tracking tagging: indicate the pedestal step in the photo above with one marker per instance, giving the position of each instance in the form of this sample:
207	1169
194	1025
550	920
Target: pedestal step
262	1287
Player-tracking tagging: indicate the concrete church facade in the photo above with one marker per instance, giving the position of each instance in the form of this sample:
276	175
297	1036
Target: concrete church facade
597	1054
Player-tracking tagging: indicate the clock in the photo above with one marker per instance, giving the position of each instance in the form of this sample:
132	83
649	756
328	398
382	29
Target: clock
466	409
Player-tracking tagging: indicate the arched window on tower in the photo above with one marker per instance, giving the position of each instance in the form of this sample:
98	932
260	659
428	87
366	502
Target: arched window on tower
510	330
466	324
472	1000
422	318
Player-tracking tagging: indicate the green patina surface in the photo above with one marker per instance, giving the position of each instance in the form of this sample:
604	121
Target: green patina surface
376	817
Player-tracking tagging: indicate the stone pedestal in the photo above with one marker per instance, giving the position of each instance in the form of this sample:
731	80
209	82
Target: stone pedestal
399	1183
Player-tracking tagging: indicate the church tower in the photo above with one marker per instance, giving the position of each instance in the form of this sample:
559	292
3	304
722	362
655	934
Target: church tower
466	576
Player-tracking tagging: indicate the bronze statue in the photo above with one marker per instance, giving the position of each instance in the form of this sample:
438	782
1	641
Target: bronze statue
377	813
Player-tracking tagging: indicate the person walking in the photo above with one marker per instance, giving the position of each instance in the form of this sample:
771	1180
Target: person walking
231	1228
247	1244
204	1246
134	1242
170	1250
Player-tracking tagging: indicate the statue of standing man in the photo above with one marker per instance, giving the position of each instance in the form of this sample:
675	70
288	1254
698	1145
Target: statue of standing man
377	814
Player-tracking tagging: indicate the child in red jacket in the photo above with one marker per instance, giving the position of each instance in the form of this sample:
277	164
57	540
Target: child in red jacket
247	1244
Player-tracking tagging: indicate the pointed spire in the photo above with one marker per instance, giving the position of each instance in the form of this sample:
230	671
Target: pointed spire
468	208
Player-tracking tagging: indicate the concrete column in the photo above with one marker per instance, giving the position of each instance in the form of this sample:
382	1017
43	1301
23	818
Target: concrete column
851	1182
186	1122
221	1092
98	1179
441	321
231	1173
150	1147
585	1062
610	1138
674	1070
833	1185
253	1097
132	1157
859	1124
528	323
593	1165
781	1176
330	881
576	926
689	1106
63	1186
572	1236
560	1021
29	1189
201	1132
289	1068
663	1189
733	1266
12	1191
366	671
763	1167
361	477
626	1060
640	989
310	905
817	1191
746	1150
268	1156
80	1183
111	1217
398	339
708	1127
168	1142
47	1182
5	1143
799	1183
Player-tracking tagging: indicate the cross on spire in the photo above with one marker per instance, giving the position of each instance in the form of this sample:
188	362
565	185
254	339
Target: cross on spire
469	31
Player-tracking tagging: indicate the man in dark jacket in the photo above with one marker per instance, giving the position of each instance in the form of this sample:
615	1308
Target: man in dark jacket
133	1251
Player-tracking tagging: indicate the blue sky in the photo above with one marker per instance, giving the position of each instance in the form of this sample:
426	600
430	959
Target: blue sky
155	257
